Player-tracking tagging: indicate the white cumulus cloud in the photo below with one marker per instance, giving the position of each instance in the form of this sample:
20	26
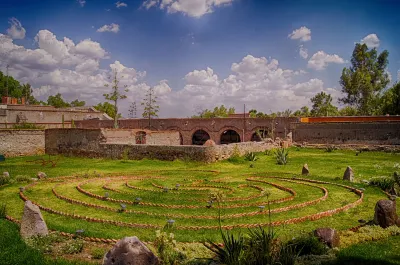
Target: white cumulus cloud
371	40
320	60
16	31
81	2
109	28
303	52
120	4
302	34
192	8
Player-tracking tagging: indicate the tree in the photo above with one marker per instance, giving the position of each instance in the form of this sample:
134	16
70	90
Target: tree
133	110
322	105
57	101
107	108
13	88
367	77
302	112
77	103
115	95
150	105
390	101
217	112
348	111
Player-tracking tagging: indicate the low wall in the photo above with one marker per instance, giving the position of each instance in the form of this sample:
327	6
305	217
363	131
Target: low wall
93	143
22	142
383	133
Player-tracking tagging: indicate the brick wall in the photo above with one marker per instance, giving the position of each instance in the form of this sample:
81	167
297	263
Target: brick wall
214	127
22	142
387	133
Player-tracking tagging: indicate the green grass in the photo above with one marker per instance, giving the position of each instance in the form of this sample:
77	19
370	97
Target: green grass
323	166
15	251
384	252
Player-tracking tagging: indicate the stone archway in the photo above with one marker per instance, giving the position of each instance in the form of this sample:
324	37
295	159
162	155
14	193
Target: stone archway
199	137
140	137
259	135
229	136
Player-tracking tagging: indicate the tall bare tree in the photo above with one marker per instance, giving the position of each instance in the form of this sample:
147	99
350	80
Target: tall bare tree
149	103
115	94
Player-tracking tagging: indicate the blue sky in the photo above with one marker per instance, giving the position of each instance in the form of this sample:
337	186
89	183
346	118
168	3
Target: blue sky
196	53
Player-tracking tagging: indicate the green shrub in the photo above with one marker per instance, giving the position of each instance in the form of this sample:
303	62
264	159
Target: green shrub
287	255
4	179
308	245
3	211
97	253
385	183
26	125
74	247
166	249
260	246
23	178
330	148
232	251
44	243
282	156
367	233
250	157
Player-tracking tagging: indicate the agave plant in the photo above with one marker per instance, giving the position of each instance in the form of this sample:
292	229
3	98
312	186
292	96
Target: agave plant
330	148
232	251
282	156
250	156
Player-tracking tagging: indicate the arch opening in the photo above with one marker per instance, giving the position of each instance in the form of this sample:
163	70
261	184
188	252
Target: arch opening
140	137
200	137
259	135
229	137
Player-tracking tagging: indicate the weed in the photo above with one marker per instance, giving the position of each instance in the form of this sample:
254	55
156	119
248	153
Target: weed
166	248
330	148
74	247
250	157
97	253
3	211
307	244
125	154
29	126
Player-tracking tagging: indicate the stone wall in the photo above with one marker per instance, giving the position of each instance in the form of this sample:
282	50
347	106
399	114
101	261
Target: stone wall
22	142
385	133
93	143
47	116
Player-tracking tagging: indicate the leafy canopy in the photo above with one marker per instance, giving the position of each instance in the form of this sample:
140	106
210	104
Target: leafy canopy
365	79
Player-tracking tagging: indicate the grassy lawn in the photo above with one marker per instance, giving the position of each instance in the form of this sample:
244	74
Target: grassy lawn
187	205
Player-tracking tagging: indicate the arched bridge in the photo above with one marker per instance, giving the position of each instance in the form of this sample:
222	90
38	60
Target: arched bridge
197	131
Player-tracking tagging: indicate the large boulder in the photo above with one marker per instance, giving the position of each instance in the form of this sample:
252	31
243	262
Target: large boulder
130	250
209	142
348	174
328	236
385	213
305	170
32	223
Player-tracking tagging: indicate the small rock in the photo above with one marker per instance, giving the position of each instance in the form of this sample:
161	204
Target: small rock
305	170
385	213
34	179
6	174
32	223
269	140
209	142
365	181
362	221
348	174
130	250
328	236
41	175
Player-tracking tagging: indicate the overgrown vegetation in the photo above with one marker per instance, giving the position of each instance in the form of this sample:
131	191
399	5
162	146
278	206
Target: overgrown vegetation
27	126
251	157
282	156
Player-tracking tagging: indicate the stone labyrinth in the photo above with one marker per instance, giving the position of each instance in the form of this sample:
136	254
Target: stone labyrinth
115	206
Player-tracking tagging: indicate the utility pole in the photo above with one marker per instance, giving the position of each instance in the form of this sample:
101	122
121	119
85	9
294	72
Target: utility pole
7	80
150	111
244	121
